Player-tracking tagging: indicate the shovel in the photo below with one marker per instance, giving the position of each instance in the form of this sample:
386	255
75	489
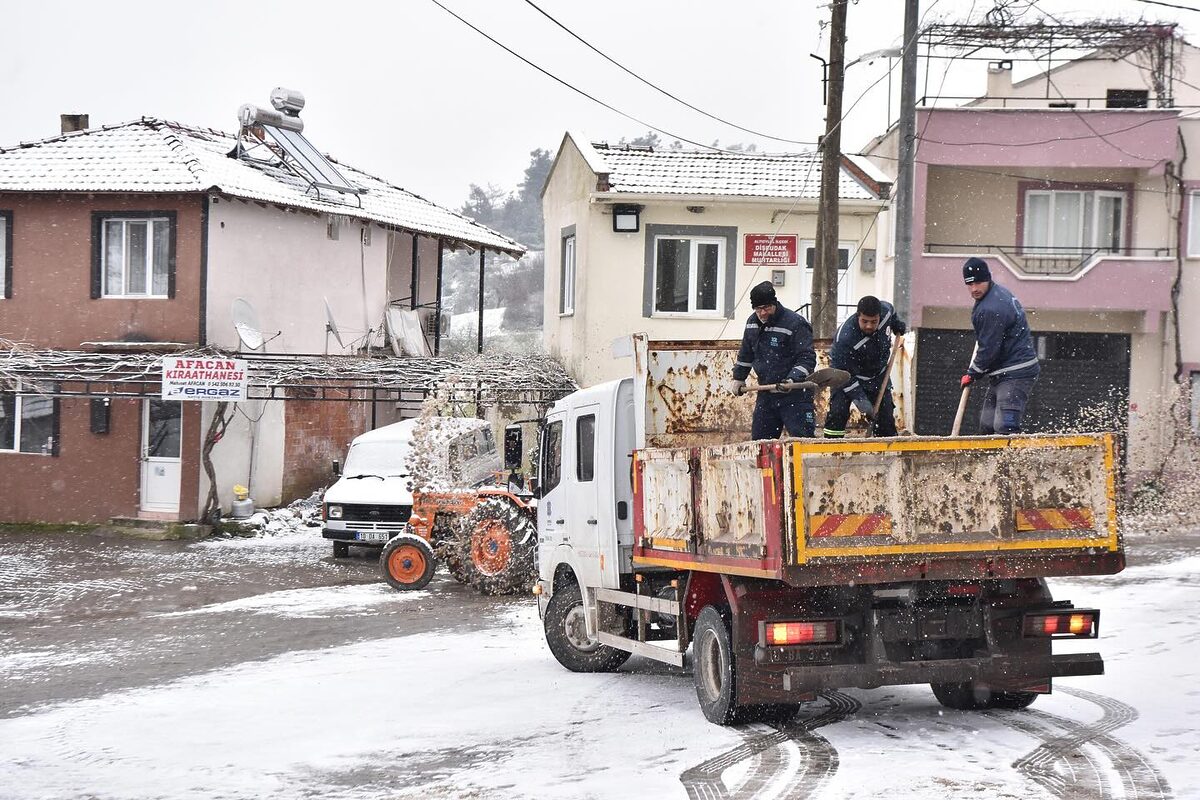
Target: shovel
962	401
897	346
824	378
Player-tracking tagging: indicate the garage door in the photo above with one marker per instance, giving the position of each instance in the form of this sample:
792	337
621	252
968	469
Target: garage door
1084	383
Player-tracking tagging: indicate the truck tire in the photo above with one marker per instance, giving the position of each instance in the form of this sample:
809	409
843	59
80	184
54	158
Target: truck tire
962	696
566	634
408	562
713	668
1013	700
497	547
341	549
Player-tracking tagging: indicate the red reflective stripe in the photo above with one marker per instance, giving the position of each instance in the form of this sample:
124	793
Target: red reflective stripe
830	525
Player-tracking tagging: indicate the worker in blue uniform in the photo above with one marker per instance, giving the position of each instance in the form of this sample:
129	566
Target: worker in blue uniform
861	346
1004	352
778	345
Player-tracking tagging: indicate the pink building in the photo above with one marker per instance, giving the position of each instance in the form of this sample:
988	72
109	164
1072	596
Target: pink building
1082	206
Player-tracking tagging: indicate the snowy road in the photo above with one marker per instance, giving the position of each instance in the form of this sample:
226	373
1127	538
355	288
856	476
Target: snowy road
263	669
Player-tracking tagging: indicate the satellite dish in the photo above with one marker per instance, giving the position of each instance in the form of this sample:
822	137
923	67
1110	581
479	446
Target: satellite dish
245	322
331	326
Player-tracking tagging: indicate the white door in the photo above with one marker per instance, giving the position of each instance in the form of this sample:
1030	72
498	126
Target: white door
584	475
162	429
846	269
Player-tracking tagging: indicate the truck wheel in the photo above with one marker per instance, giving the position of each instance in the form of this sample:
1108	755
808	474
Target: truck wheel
713	670
497	547
962	696
566	634
341	549
408	562
1013	700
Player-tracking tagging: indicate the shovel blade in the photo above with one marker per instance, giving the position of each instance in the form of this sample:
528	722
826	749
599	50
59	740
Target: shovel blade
829	378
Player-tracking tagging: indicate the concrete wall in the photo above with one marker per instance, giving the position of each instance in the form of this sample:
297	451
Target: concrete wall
611	267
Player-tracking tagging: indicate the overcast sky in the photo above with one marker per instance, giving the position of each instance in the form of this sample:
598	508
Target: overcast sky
406	92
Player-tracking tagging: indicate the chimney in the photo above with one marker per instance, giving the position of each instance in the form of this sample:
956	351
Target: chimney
73	122
999	79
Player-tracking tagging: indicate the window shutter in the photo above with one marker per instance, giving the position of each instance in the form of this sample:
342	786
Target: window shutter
97	249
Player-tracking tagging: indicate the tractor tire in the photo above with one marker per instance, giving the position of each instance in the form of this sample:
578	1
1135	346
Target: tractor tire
408	562
497	547
566	634
446	547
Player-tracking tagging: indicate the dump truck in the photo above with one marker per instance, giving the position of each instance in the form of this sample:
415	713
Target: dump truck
794	566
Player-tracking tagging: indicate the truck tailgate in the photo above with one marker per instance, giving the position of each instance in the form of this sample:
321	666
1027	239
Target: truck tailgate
878	499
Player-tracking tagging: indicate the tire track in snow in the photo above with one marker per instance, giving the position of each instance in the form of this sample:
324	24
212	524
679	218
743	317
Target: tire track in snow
818	759
1052	764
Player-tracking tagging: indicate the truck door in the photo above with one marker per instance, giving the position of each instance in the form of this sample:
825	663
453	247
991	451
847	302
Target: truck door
552	506
586	479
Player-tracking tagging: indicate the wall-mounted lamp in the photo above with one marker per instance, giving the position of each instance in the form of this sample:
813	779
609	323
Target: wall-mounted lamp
696	209
627	219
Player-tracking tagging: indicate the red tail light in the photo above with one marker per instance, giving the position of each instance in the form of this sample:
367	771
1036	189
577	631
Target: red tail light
780	634
1077	623
963	589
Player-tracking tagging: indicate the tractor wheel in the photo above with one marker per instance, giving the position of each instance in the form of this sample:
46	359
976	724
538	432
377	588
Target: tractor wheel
497	547
566	634
408	562
445	544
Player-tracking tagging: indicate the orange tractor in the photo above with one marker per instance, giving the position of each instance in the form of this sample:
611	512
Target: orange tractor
486	537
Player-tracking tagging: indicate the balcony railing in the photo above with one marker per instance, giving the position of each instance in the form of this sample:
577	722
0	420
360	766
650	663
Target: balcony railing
1049	261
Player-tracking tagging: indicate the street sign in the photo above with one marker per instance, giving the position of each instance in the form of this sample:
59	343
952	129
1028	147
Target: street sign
192	378
770	250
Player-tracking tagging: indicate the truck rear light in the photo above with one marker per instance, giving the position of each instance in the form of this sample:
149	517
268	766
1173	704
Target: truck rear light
963	589
1076	623
780	634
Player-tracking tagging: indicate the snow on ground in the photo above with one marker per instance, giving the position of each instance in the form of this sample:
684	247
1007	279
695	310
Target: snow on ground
491	714
326	601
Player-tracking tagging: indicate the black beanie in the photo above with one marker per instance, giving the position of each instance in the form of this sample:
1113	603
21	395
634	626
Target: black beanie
976	271
763	294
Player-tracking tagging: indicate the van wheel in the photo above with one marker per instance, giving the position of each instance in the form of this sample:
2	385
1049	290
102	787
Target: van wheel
408	562
497	547
566	634
341	549
713	669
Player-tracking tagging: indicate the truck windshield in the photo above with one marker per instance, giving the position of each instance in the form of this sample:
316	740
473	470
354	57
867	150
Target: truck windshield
377	458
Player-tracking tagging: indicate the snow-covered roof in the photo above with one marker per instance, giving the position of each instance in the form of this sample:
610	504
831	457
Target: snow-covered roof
155	156
642	170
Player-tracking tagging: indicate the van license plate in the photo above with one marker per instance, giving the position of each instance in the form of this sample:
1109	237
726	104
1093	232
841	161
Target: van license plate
374	536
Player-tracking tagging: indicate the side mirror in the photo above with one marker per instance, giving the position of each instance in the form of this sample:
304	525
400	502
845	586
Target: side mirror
513	448
337	468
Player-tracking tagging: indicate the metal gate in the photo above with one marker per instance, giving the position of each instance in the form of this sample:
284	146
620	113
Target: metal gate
1084	385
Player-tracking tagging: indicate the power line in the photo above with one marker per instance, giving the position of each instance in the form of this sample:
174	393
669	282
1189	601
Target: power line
1168	5
658	88
572	87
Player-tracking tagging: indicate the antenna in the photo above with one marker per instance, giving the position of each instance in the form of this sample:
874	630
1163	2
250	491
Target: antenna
331	327
245	322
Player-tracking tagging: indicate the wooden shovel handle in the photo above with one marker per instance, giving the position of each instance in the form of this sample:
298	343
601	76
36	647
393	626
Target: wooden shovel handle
897	346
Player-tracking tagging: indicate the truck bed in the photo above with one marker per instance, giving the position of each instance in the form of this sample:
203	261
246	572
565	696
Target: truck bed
821	512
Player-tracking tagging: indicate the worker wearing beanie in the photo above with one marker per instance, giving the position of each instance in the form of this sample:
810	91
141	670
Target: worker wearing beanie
1004	353
778	345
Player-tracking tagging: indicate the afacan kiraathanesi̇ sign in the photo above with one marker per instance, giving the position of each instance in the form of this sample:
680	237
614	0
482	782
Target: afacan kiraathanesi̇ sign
770	250
192	378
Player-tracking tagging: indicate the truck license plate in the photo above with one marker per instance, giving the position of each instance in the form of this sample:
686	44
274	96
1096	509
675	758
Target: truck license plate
373	536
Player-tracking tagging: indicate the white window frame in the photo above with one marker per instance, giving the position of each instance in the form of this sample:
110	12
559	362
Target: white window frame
1088	228
149	222
847	284
19	400
1193	231
566	289
693	269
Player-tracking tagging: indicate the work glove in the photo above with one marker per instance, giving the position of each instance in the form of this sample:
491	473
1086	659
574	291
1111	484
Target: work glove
864	406
783	387
898	326
966	380
737	387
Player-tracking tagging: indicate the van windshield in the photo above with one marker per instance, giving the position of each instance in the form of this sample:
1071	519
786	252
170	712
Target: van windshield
383	459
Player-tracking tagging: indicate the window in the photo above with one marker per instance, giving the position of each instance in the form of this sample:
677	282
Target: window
5	254
688	275
28	424
585	448
1193	233
134	255
551	456
1127	98
846	295
566	284
1071	220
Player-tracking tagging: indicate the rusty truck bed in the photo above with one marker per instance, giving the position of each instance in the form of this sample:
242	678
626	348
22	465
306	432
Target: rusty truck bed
820	512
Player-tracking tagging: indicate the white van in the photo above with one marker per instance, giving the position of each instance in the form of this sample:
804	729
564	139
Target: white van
372	499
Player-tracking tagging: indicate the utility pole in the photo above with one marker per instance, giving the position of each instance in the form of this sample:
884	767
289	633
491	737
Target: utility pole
825	264
902	278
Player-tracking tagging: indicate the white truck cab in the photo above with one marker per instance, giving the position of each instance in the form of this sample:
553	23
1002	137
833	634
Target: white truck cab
373	497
